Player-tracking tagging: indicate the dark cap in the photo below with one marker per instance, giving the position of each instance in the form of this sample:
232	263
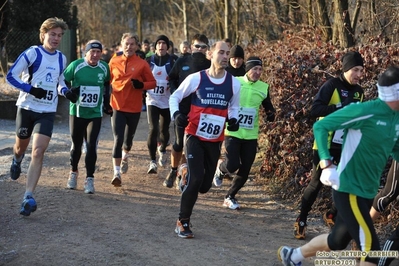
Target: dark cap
163	38
93	45
350	60
237	51
252	62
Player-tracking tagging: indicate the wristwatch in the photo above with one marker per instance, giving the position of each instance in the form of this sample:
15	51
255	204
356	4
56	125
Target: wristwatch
325	163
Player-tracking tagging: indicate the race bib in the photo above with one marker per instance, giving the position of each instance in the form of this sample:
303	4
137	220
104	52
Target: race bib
246	117
89	96
47	100
210	126
338	136
160	89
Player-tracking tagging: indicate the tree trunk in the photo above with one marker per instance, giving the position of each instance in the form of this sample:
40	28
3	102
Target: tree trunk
295	16
227	14
137	8
282	11
218	21
310	13
185	24
235	35
343	23
356	15
325	21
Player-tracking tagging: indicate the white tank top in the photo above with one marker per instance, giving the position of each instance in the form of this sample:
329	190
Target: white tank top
159	96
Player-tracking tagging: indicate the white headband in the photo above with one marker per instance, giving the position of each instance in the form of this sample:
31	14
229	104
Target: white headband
388	93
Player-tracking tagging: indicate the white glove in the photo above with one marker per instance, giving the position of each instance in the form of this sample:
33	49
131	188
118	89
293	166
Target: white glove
329	177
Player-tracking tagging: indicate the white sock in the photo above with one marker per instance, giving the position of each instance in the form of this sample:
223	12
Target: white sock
297	256
117	169
124	155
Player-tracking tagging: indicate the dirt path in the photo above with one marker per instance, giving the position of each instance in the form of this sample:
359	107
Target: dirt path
134	224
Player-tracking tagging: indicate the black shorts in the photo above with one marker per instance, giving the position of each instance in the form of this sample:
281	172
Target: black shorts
28	122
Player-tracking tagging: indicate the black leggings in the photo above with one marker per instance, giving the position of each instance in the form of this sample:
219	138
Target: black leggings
392	244
179	138
159	120
202	158
391	189
124	127
353	222
240	155
310	194
78	128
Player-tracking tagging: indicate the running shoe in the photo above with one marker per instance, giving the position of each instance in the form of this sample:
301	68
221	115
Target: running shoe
284	255
117	181
28	206
72	180
162	157
89	185
218	177
153	168
329	219
183	229
124	166
170	179
231	203
15	169
183	173
300	229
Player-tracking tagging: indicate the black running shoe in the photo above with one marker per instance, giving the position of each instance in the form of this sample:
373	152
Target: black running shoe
15	169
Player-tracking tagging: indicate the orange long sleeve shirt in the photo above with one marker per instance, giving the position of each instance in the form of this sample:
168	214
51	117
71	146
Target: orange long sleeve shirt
124	96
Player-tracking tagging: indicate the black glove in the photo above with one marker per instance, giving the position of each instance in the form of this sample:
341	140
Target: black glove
137	84
107	109
38	92
181	120
71	96
76	90
232	124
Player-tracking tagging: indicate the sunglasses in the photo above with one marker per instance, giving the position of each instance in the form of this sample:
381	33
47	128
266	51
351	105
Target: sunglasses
202	46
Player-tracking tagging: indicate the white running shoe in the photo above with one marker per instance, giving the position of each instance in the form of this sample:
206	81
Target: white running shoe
89	185
162	157
231	203
72	180
153	168
218	177
284	255
116	181
124	166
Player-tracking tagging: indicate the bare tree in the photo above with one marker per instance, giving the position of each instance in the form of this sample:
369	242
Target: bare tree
183	9
342	22
137	10
325	24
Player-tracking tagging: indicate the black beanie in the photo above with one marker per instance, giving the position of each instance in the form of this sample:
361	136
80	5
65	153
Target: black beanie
350	60
237	51
251	62
163	38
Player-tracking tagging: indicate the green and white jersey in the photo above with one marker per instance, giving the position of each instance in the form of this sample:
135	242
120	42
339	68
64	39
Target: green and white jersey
91	81
371	132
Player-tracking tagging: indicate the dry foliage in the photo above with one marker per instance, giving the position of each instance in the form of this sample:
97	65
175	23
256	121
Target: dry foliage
296	67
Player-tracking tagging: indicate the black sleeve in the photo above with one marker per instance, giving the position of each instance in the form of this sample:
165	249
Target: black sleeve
320	105
174	77
107	92
269	108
